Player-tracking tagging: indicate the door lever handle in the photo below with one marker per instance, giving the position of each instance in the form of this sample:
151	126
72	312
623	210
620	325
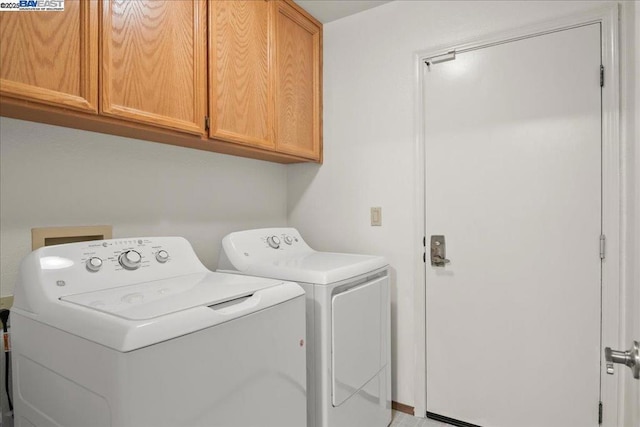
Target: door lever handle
437	259
438	251
630	358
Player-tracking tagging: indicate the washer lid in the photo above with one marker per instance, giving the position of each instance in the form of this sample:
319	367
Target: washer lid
161	297
130	317
316	267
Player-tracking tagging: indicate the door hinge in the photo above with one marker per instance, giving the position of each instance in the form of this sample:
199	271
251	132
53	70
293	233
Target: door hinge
601	75
602	245
424	257
206	122
599	412
424	241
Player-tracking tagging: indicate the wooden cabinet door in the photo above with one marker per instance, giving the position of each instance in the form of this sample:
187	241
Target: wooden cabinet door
154	62
51	57
297	77
240	84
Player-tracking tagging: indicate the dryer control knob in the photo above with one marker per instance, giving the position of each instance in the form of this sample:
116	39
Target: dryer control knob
130	260
273	241
162	256
288	240
94	264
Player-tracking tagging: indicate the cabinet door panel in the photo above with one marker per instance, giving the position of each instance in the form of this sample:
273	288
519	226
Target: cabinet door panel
154	62
297	83
240	99
51	57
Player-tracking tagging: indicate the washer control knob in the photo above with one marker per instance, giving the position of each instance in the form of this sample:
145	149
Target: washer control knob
94	264
288	240
273	241
130	260
162	256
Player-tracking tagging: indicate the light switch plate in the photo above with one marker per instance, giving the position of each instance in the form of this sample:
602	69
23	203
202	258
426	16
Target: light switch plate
376	216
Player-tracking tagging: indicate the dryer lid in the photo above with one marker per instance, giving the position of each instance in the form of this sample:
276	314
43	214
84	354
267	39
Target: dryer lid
282	253
316	267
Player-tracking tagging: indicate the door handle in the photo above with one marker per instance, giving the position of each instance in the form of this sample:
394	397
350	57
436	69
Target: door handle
438	251
439	261
630	358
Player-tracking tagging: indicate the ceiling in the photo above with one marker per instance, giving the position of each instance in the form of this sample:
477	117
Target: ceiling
330	10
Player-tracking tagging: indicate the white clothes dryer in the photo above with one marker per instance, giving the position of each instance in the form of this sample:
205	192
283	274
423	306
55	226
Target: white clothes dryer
348	321
138	333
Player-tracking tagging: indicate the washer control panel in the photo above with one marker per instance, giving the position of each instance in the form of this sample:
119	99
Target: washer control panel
102	264
128	255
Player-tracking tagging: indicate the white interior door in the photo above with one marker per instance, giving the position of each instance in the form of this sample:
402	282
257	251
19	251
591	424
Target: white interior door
513	182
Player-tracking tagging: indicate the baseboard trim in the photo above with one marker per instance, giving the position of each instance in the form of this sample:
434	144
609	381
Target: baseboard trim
401	407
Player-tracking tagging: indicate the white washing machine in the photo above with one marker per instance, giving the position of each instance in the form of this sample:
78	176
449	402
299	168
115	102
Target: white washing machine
137	332
348	321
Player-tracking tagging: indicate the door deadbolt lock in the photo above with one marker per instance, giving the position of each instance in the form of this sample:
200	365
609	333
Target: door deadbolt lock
438	251
630	358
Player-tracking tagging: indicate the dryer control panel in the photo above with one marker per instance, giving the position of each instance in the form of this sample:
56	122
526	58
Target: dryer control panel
281	240
272	243
277	246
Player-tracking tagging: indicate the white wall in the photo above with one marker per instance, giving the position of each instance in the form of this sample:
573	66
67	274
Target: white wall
369	137
52	176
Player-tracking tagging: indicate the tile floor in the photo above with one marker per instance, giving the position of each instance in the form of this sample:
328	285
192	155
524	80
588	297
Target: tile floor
400	419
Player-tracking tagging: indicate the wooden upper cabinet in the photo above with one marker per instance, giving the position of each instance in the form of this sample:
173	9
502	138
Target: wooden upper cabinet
298	83
51	57
240	84
265	76
157	69
154	62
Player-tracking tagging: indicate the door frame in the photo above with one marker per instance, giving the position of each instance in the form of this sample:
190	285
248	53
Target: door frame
613	226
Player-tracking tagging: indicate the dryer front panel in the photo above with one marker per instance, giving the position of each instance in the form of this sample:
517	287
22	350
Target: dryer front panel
357	332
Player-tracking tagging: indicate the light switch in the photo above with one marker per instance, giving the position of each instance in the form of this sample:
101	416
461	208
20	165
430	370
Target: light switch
376	216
